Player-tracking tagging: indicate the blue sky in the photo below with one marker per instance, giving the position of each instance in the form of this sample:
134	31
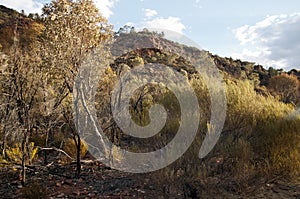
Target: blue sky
266	31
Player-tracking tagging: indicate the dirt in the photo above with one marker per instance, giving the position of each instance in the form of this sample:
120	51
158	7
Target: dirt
99	181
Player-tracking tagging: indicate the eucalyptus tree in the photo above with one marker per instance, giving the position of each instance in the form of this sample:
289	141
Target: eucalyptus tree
73	29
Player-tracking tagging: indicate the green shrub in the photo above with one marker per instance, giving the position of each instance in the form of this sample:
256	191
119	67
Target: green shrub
136	61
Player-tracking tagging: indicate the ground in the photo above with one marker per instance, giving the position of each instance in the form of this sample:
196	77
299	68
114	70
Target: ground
99	181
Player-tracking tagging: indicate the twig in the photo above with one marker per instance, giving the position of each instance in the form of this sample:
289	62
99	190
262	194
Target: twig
56	149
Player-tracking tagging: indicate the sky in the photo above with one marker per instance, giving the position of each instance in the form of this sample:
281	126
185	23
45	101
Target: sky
266	32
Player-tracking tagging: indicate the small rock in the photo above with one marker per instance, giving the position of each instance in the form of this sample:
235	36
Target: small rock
60	195
20	186
76	192
84	192
68	181
58	184
141	191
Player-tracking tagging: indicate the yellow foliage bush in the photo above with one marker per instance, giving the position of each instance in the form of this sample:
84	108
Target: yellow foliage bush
70	148
14	154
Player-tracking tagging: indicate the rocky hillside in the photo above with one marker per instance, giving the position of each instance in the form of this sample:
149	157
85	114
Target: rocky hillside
151	47
29	27
13	24
127	41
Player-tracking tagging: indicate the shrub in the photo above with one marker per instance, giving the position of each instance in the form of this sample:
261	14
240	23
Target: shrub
136	61
70	149
278	143
268	134
14	154
286	87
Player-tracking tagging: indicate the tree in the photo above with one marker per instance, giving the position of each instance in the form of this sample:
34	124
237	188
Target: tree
286	87
20	81
73	29
272	72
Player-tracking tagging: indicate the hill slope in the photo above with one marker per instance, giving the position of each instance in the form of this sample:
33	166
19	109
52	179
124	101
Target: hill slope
14	24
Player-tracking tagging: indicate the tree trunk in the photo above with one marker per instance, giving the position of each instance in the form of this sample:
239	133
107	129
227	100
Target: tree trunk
4	144
24	143
78	163
3	149
45	151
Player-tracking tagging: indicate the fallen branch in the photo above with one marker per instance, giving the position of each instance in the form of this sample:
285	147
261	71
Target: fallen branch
84	161
56	149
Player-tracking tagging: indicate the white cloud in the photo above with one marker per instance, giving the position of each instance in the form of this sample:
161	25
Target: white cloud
170	23
129	23
29	6
171	26
150	13
273	41
197	4
32	6
105	7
